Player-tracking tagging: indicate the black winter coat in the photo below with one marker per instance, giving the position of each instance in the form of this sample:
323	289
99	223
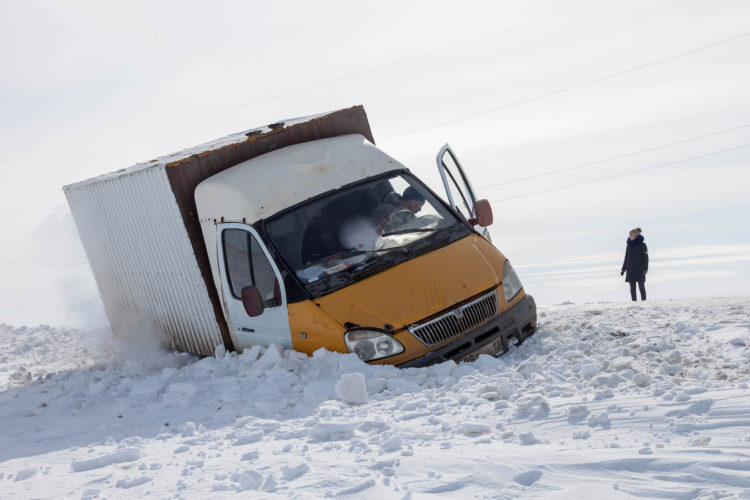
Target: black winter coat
636	260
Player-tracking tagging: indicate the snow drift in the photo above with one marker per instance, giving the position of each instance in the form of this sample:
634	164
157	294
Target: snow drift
645	400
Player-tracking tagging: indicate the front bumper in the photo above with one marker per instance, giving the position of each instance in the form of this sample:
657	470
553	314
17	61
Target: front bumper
517	322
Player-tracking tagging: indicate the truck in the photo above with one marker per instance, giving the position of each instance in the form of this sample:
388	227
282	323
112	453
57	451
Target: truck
305	235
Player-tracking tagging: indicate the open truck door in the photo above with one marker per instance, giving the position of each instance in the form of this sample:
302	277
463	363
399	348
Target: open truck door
461	195
252	288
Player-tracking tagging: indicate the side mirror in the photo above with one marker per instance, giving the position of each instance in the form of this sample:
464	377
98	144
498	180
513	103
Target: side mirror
483	210
252	301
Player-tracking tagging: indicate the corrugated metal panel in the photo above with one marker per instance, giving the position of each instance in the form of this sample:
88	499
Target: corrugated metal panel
143	261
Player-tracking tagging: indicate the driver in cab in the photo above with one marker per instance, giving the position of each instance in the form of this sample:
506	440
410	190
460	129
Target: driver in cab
400	209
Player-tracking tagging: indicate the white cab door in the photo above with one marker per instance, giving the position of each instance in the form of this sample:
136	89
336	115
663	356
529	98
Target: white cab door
245	261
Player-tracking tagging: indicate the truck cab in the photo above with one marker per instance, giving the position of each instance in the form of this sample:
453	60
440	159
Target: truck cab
333	244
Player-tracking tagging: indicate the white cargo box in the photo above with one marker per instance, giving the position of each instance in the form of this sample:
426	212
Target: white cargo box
142	237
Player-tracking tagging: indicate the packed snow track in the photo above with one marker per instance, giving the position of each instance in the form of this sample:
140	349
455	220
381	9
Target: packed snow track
604	401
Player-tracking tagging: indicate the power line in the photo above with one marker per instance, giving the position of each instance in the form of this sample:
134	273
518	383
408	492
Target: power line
519	179
566	89
61	259
42	266
44	263
22	212
622	174
31	264
472	115
618	157
313	86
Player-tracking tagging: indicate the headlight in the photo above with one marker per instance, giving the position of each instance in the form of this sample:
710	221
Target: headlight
511	283
372	344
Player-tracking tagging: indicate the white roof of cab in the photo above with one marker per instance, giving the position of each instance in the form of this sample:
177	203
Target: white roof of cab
262	186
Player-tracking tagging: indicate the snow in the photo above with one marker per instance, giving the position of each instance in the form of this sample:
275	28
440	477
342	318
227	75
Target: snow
352	388
642	400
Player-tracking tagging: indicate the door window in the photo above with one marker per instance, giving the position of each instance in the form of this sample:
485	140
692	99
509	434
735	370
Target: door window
460	193
247	265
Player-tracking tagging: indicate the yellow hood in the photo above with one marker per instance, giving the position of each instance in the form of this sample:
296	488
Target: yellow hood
418	288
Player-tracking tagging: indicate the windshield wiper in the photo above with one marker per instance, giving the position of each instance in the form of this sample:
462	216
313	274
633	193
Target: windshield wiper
367	267
421	230
338	256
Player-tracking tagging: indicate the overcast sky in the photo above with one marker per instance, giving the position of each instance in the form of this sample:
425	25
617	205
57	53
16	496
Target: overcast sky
518	88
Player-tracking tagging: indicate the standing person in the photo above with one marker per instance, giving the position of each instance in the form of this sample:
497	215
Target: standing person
636	263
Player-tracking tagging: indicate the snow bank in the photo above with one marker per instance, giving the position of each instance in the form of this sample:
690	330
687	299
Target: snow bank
644	400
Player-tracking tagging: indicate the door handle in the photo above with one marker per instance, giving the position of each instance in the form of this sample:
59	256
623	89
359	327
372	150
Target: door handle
243	329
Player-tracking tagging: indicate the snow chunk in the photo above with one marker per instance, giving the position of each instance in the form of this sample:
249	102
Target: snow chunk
589	370
117	457
700	441
449	486
605	394
131	483
698	408
272	357
443	369
612	380
738	341
247	436
269	484
188	429
528	439
473	428
622	362
528	478
373	425
577	413
533	406
24	474
292	472
356	488
642	379
220	351
581	434
392	444
351	388
670	369
506	390
673	357
527	369
247	480
601	420
572	354
325	431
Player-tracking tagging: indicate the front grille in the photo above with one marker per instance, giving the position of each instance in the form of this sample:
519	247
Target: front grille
458	321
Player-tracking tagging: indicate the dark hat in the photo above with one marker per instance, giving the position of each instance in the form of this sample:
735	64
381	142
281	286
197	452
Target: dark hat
412	194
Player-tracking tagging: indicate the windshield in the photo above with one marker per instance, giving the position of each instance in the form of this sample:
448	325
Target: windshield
352	227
